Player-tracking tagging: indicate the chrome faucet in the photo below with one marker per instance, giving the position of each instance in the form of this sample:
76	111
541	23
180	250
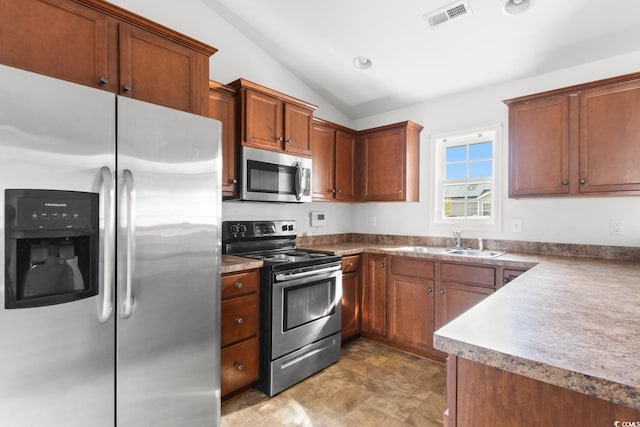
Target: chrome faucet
456	234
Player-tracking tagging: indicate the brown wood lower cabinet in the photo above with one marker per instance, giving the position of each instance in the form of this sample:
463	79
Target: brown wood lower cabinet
405	299
374	295
483	396
351	292
239	332
239	365
410	303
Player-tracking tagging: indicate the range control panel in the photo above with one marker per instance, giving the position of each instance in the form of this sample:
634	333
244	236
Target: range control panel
248	229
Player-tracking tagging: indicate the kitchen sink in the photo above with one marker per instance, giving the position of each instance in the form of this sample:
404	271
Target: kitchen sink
422	249
475	252
448	251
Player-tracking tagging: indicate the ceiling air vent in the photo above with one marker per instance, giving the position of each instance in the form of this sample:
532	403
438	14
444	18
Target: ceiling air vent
447	13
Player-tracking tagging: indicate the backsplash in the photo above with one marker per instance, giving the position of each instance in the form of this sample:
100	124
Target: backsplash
625	253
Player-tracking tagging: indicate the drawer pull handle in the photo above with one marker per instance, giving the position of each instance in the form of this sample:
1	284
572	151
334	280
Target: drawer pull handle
239	320
239	366
238	285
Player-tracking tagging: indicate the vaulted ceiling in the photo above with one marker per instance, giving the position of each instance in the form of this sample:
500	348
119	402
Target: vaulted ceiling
412	62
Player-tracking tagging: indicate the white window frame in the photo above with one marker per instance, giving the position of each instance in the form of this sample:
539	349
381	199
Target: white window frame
440	142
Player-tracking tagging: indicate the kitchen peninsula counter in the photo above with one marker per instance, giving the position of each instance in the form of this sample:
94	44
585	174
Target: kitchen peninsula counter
571	322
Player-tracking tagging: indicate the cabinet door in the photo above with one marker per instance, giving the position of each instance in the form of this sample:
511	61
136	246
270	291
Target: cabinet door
323	153
350	305
609	138
157	70
222	107
345	157
384	165
410	309
453	299
263	121
59	39
508	274
374	310
539	147
297	129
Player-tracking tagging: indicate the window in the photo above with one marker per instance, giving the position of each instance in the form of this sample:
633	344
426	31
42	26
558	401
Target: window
466	183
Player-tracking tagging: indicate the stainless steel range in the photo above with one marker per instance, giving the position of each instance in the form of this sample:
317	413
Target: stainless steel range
300	308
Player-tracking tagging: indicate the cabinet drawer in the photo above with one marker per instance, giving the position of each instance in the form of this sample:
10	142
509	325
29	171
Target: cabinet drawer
412	267
240	283
239	319
350	264
485	276
239	365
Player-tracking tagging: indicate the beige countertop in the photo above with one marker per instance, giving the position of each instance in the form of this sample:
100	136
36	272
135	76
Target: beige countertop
572	322
232	264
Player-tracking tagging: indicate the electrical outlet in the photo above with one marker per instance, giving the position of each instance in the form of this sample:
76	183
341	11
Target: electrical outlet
372	221
617	226
516	225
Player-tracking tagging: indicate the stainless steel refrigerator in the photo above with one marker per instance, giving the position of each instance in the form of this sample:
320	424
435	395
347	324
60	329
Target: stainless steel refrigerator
109	301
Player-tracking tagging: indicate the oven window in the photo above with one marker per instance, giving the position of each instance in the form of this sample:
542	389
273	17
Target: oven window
308	302
266	177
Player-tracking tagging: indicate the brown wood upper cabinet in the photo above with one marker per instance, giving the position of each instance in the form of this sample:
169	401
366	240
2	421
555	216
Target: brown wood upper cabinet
390	163
94	43
222	107
272	120
334	153
581	140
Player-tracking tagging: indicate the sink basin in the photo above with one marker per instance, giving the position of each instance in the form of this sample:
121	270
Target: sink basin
448	251
422	249
475	252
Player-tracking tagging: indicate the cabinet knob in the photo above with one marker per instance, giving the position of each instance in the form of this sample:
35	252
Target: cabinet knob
332	190
239	366
430	290
349	264
126	88
234	181
382	265
565	182
337	190
505	280
441	291
238	285
287	141
102	81
583	181
399	190
239	320
279	138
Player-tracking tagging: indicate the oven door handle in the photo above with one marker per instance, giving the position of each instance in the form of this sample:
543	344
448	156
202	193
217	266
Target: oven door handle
283	277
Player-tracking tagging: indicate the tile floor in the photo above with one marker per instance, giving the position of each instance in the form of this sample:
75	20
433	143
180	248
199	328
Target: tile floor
371	385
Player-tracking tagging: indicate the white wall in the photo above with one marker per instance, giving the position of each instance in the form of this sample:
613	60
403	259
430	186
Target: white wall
573	220
564	220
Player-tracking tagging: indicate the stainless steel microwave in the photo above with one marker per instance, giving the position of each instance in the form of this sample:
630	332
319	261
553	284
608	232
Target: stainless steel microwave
269	176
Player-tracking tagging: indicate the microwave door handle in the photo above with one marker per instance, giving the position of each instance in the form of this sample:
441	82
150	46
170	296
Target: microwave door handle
298	181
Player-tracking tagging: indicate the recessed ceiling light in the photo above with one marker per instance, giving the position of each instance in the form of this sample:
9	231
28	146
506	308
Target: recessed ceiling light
514	7
362	62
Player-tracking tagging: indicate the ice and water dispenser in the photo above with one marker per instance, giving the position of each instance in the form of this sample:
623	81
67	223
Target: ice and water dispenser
51	247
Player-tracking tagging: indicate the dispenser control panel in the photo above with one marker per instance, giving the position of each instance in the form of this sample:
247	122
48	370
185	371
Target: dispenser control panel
53	214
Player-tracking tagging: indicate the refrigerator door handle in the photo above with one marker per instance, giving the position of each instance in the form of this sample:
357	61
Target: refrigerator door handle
129	184
108	240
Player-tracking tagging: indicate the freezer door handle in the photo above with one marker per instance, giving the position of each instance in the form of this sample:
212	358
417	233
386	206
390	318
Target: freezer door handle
107	191
130	190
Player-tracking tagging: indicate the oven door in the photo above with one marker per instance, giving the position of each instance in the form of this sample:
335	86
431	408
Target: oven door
275	177
306	307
